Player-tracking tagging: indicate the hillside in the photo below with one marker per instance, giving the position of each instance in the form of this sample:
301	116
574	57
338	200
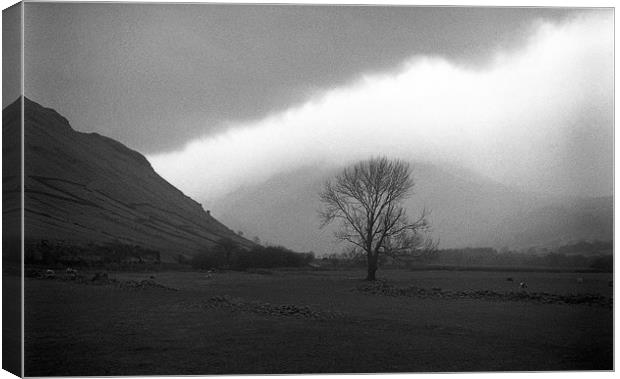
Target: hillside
466	210
84	187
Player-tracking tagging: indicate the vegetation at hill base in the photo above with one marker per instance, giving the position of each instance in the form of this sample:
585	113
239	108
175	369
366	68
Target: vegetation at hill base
225	257
593	255
92	254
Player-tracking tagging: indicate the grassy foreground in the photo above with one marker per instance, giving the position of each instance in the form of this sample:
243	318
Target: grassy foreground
179	323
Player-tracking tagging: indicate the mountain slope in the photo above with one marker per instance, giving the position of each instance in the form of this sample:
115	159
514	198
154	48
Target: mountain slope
466	210
84	187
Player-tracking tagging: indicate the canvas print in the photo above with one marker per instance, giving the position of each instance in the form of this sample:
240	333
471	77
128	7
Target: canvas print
200	189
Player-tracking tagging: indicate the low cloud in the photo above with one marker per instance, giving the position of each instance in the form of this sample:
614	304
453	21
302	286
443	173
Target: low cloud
539	118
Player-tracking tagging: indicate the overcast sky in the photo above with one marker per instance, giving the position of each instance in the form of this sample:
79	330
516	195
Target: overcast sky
220	96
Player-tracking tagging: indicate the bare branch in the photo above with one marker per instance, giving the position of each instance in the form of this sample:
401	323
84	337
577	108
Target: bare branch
367	200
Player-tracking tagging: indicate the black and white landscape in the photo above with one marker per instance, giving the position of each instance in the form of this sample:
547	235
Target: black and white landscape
255	189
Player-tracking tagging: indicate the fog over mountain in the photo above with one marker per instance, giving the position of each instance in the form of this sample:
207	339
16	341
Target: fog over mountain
538	118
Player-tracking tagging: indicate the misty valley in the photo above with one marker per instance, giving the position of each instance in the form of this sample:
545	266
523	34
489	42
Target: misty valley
261	189
121	264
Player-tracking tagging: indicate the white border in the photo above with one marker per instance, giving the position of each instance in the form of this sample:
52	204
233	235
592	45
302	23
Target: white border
484	3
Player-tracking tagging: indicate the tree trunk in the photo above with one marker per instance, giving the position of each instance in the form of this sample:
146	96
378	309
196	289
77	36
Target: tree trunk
372	266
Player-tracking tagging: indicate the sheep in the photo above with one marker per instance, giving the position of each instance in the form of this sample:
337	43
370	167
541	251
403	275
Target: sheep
523	285
50	273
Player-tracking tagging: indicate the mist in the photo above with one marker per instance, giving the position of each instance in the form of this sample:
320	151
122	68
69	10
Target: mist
538	118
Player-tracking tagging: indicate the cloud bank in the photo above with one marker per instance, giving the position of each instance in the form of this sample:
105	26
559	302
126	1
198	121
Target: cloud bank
539	118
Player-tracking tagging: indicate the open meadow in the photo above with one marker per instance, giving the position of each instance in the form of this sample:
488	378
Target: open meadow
285	321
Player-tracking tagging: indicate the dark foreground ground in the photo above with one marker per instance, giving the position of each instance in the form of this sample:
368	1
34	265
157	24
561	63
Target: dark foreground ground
317	322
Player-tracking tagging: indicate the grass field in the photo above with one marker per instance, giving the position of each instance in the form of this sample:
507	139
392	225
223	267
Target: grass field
313	322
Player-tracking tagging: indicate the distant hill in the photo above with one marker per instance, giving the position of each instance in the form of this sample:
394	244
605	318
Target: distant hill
466	210
84	187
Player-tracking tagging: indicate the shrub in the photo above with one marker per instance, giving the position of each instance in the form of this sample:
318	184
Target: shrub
209	260
604	263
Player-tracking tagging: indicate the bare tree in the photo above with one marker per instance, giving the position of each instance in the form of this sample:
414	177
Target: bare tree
227	246
367	200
